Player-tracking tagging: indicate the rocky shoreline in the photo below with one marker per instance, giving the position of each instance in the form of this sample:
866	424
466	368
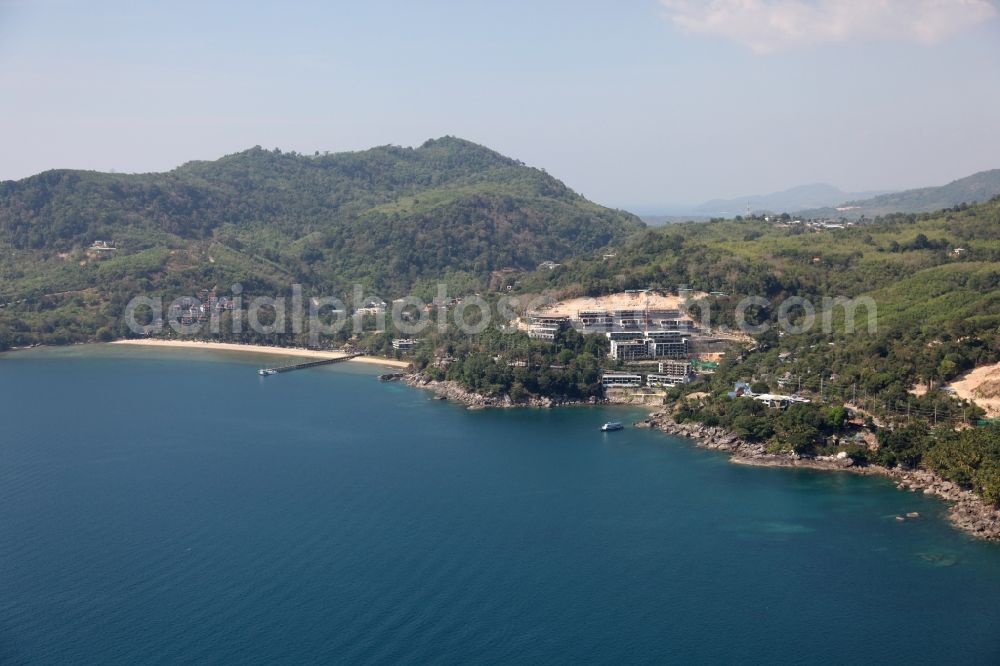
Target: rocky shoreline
455	392
968	512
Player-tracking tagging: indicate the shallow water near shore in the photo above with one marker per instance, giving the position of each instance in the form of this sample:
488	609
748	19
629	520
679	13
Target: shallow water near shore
174	507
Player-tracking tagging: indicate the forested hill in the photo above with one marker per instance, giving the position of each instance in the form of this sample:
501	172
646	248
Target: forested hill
387	216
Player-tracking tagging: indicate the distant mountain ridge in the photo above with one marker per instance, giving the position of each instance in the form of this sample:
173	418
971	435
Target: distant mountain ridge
979	187
815	195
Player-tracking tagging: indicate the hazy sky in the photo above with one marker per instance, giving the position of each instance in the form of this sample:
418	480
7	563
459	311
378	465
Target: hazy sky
642	104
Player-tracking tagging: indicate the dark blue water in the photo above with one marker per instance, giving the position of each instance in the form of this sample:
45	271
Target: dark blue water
176	508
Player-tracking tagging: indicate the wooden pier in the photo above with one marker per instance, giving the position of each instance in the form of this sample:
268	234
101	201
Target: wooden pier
307	364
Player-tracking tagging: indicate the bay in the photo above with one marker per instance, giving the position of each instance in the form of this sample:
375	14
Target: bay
174	507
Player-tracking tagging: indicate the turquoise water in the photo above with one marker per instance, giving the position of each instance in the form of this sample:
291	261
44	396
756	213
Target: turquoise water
174	507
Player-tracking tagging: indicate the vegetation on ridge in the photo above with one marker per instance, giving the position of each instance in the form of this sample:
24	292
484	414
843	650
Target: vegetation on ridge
386	217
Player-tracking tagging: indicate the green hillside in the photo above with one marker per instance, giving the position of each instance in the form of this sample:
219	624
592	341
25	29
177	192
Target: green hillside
935	279
387	218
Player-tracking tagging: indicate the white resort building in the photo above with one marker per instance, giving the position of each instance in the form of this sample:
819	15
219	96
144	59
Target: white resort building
620	380
648	345
666	381
545	327
635	319
677	370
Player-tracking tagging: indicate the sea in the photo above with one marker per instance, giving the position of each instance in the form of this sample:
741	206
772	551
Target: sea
170	506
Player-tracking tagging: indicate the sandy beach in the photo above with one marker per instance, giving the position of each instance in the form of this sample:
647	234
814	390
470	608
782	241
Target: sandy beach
260	349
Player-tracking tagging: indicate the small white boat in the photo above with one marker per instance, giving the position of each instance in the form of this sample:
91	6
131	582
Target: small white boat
612	425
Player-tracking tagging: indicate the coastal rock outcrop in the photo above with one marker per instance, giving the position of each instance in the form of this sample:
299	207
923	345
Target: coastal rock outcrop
455	392
968	511
707	437
392	377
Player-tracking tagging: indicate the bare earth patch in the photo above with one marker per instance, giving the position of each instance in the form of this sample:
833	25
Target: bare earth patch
621	301
982	386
